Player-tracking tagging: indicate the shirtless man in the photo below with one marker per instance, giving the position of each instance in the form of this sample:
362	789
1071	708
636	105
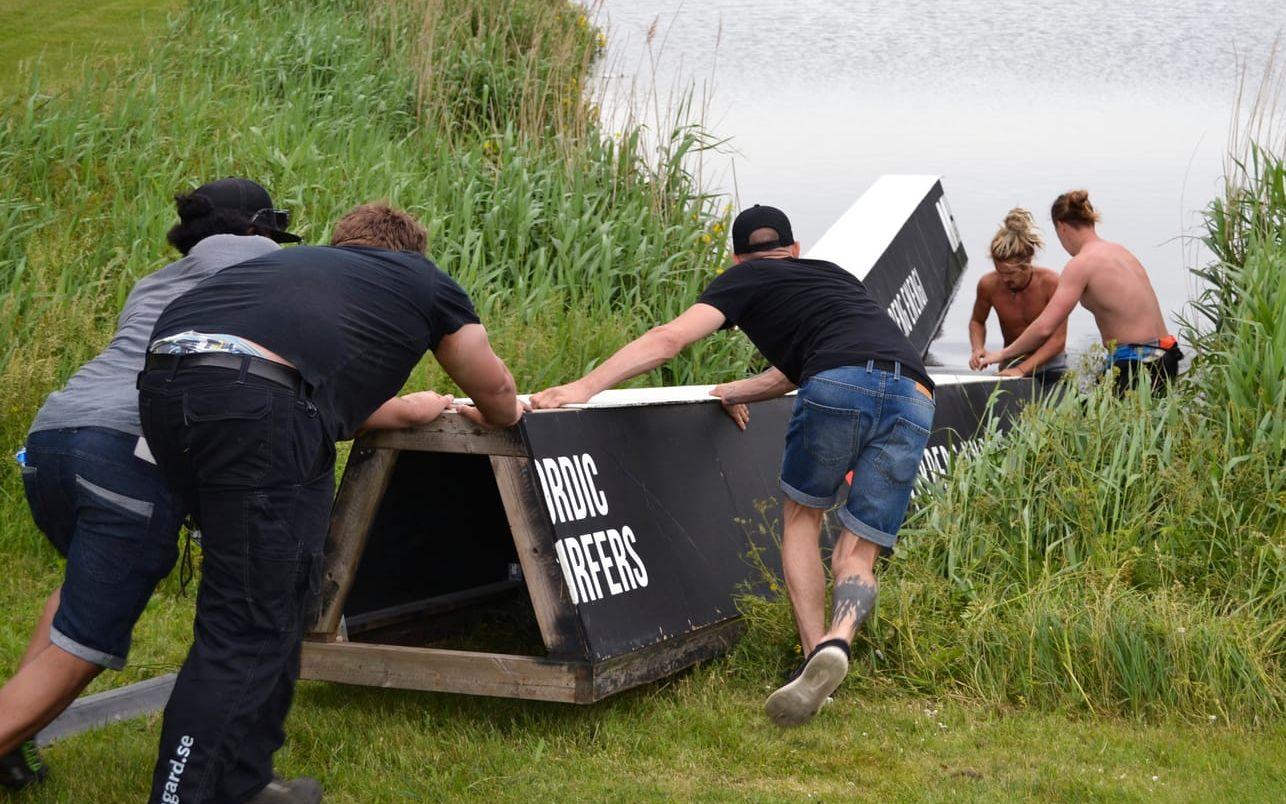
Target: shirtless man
1111	283
1019	291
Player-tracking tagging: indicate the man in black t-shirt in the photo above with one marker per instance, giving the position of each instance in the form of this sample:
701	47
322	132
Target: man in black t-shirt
865	404
250	379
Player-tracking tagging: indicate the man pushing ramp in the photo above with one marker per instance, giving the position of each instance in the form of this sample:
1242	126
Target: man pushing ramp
865	403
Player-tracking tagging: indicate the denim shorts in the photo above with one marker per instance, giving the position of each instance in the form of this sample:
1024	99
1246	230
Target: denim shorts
860	418
110	514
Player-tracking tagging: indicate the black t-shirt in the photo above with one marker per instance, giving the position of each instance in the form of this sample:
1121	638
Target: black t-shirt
807	316
354	321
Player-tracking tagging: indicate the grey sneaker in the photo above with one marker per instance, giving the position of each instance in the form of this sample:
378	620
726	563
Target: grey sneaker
798	700
303	790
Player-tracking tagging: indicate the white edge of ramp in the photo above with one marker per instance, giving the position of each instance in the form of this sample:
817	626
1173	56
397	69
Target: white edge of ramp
687	394
866	229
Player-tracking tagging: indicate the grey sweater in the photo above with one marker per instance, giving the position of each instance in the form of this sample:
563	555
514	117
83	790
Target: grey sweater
102	393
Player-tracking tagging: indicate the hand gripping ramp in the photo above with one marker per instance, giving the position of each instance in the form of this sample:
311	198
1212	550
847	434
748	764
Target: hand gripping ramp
620	531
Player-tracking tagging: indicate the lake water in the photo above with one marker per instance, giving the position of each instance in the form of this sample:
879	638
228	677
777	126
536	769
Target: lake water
1010	102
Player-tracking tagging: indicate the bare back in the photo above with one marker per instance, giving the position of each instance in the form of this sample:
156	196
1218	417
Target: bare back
1117	291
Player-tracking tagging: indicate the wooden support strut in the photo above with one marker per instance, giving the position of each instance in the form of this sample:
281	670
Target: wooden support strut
365	479
559	625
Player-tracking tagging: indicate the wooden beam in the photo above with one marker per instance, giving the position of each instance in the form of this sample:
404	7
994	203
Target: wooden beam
366	478
436	670
665	658
431	606
533	538
451	432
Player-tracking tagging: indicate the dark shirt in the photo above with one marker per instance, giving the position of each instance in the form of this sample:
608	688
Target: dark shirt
353	321
807	316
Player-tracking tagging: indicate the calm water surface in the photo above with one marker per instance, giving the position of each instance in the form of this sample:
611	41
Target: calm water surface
1010	102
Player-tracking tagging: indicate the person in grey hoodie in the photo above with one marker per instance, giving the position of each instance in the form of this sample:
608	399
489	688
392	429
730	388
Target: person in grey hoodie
94	489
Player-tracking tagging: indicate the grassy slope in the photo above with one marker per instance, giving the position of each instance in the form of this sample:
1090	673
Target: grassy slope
699	736
62	33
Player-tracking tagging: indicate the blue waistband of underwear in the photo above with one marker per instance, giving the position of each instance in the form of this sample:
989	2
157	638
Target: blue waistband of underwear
1137	352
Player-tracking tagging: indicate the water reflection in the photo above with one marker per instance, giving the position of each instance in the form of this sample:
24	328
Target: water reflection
1011	102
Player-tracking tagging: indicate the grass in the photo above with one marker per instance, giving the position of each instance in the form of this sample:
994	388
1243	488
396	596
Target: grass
1094	602
702	736
62	35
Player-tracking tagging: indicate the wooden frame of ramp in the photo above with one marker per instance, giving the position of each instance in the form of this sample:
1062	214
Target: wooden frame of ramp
566	674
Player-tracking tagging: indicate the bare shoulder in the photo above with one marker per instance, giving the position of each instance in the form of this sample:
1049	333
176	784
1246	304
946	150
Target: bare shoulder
987	284
1047	277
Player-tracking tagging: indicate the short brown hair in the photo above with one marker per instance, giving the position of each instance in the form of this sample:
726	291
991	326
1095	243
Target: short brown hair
1073	207
379	225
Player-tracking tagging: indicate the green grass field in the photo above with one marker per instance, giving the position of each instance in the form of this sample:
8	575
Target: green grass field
1093	610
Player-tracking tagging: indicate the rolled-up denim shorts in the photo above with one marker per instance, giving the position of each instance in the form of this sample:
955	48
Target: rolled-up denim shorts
110	514
860	418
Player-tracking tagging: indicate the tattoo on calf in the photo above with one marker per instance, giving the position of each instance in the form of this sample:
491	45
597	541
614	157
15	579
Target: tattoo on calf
854	597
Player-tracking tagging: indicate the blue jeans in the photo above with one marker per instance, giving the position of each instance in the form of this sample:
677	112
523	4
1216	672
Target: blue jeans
860	418
111	515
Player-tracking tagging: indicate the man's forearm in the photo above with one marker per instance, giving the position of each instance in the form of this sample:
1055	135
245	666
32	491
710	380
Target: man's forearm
977	336
1034	336
1051	347
639	356
768	385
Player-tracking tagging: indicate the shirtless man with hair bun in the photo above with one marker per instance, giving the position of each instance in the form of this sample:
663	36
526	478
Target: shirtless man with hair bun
1019	292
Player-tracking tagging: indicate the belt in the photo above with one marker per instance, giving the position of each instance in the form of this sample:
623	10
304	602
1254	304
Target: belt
266	369
892	366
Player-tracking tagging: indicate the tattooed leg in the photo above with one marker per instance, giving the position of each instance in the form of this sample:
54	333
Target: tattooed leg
853	600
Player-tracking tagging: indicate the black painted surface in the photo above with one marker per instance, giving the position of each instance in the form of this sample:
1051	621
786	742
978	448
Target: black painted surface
697	494
928	247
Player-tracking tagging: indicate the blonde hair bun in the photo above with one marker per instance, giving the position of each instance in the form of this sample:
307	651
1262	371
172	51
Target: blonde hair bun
1017	238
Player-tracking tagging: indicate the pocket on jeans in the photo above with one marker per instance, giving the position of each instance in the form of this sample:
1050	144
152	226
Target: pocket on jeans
229	434
35	500
828	433
902	451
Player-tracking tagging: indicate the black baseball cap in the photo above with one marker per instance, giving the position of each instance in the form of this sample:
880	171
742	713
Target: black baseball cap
251	200
760	217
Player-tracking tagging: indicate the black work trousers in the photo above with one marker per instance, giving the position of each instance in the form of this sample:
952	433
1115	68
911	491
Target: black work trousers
251	460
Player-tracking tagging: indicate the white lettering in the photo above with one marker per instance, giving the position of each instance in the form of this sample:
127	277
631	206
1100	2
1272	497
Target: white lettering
617	547
568	577
583	579
575	490
592	566
640	571
612	586
909	302
948	223
544	489
590	470
177	766
563	508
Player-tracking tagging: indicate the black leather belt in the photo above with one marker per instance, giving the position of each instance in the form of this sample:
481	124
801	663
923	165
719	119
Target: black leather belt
911	374
258	366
